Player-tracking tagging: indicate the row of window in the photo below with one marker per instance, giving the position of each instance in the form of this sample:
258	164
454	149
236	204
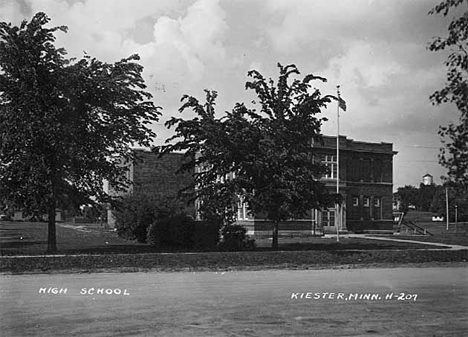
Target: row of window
365	170
328	216
366	201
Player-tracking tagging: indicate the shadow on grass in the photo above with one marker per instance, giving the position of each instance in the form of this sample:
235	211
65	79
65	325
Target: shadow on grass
112	249
27	248
88	248
20	244
329	247
340	246
18	248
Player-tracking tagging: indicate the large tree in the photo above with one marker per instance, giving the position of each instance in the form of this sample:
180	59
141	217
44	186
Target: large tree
454	156
262	157
65	125
457	200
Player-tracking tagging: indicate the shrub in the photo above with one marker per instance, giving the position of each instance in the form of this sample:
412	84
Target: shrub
182	232
234	237
180	229
137	212
172	232
153	235
206	235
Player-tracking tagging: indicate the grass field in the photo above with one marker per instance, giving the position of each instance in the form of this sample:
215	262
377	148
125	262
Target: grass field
91	248
30	238
455	235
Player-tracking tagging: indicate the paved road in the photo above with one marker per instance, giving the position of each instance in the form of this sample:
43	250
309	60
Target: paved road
247	303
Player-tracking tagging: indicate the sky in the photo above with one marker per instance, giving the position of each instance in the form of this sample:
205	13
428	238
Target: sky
376	50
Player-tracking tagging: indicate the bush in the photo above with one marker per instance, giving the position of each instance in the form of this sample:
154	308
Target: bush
234	237
137	212
182	232
153	235
206	235
172	232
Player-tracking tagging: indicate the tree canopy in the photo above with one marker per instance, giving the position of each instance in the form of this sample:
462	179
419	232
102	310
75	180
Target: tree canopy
454	156
407	196
65	124
263	157
457	200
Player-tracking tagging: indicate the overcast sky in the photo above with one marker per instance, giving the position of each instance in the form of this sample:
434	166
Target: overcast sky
376	50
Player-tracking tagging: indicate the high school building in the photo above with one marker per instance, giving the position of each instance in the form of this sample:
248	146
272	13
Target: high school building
365	182
154	175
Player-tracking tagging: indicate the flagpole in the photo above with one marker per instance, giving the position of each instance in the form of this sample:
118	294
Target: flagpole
338	213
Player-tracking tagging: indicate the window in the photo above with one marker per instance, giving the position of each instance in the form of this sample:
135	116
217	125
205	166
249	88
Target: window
331	164
242	213
377	211
128	174
366	202
354	168
376	202
377	167
355	201
328	218
198	205
366	173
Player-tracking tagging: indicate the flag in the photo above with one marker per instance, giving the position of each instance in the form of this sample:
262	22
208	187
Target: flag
341	103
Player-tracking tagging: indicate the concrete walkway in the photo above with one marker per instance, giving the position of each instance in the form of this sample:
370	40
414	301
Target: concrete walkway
442	246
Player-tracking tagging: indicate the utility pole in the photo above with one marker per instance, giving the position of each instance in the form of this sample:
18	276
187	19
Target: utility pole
456	218
447	208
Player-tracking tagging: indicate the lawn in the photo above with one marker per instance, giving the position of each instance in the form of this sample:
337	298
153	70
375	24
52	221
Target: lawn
30	238
455	235
104	251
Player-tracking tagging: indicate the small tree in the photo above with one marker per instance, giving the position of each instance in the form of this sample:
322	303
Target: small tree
65	125
406	196
265	157
455	154
426	194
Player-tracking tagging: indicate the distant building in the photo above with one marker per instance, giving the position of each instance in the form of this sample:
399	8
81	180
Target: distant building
427	179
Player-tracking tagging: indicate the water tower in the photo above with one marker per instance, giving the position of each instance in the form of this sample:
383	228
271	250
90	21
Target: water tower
427	179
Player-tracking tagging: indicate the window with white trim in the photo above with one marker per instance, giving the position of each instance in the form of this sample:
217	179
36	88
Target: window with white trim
366	202
376	202
242	211
331	164
328	218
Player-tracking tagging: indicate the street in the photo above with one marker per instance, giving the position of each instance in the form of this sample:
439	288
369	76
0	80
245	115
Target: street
340	302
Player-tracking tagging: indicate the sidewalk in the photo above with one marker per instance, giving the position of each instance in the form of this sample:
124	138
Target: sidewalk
441	246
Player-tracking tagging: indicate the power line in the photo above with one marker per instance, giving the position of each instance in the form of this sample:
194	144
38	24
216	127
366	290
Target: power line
419	161
423	147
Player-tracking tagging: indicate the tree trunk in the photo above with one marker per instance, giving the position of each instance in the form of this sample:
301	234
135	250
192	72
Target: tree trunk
51	239
274	243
